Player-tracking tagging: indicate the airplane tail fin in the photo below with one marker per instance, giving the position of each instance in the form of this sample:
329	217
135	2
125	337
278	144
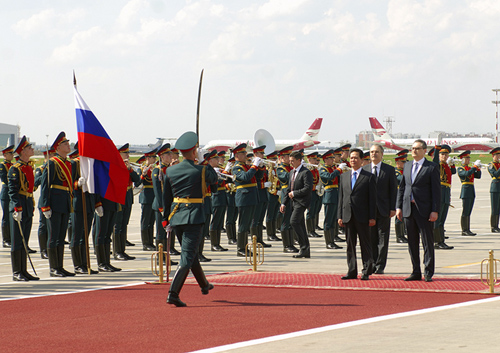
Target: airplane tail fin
378	131
313	130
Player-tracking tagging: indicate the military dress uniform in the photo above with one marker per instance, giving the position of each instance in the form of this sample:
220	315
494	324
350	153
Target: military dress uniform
219	205
315	205
257	226
273	203
246	197
330	176
42	223
4	195
445	173
101	231
207	205
21	183
56	202
494	170
399	226
123	215
283	173
146	199
183	195
467	175
232	210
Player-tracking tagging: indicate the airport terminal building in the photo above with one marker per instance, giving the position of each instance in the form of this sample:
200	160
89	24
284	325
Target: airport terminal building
9	134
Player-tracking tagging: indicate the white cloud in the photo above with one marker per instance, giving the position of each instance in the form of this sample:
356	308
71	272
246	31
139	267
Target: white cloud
48	22
129	13
81	43
274	8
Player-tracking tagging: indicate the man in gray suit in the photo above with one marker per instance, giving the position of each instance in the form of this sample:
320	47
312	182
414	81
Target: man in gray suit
419	199
357	211
385	177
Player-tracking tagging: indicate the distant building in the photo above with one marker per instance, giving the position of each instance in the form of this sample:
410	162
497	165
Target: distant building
364	139
9	135
445	134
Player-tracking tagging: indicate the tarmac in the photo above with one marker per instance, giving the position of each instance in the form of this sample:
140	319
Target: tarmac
466	328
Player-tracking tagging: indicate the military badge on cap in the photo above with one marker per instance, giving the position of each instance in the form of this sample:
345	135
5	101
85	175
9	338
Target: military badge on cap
22	145
59	139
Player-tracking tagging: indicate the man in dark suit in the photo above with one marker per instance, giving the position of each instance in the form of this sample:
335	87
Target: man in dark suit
357	211
419	199
299	193
385	177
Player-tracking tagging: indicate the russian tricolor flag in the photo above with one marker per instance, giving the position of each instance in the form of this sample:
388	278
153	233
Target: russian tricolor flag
100	162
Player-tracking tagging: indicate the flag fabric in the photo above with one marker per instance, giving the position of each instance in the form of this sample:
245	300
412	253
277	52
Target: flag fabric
100	162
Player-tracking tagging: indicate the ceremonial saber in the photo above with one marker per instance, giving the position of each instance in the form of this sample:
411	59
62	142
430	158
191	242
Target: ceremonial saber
198	108
26	246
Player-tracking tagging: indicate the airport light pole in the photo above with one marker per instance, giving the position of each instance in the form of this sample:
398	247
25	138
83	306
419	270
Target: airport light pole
496	102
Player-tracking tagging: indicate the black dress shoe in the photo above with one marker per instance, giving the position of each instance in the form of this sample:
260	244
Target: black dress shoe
127	243
240	253
206	289
365	277
83	270
290	249
173	263
19	276
148	248
67	273
30	277
43	254
414	277
443	245
303	254
348	277
202	258
6	244
273	238
174	299
55	272
128	257
468	233
339	239
105	268
231	241
402	240
31	251
333	246
218	248
379	271
428	278
495	230
319	228
315	235
266	245
120	257
174	251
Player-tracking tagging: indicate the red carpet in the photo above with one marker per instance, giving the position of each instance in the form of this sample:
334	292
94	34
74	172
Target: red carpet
137	319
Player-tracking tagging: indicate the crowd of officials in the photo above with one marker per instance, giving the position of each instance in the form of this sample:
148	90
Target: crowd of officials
277	194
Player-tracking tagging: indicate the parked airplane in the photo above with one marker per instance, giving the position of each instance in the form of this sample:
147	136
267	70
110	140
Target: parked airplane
263	138
457	143
148	147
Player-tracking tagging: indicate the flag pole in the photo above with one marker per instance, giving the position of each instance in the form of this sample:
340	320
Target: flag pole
84	206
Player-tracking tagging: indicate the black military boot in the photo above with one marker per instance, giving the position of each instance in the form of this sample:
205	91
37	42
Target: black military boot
329	239
176	286
101	259
107	254
85	265
494	224
17	270
231	234
309	225
467	223
316	223
286	235
215	240
42	241
76	255
242	241
24	263
201	279
260	236
146	246
439	239
60	260
54	263
6	236
400	230
202	257
173	251
336	231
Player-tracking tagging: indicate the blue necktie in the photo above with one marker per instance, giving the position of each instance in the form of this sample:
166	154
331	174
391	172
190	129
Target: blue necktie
353	180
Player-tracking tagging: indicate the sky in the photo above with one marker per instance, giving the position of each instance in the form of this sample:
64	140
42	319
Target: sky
274	65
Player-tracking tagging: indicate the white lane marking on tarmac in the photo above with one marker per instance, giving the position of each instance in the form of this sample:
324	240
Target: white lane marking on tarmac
342	325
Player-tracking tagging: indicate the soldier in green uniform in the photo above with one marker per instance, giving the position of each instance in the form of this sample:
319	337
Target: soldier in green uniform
21	184
283	173
246	197
146	199
446	170
219	205
257	227
315	205
273	204
122	219
8	155
494	170
56	203
184	189
329	175
232	210
102	231
467	174
400	159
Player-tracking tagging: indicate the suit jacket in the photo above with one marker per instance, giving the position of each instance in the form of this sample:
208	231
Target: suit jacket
361	200
302	187
387	187
426	189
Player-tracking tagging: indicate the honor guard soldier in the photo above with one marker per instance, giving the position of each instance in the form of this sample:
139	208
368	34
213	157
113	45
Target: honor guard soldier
56	203
158	174
273	204
315	204
146	199
400	159
366	158
467	174
246	193
257	227
8	156
184	189
345	154
329	175
211	159
446	170
232	210
102	230
494	170
79	233
42	223
219	205
175	156
21	184
283	172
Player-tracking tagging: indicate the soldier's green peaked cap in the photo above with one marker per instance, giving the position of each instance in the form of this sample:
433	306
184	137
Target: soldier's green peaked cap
186	141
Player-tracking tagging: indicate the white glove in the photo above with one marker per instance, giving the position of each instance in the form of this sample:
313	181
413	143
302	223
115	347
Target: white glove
257	161
342	166
267	184
100	211
477	163
229	166
169	228
82	181
47	214
217	170
17	216
450	161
